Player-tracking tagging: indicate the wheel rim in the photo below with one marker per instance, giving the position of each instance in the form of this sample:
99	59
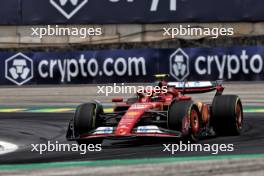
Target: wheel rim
239	116
194	122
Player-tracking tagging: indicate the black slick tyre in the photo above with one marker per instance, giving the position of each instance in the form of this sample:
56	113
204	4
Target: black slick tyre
227	115
178	111
85	120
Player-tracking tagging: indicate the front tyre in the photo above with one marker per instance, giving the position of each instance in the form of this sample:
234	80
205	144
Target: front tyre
227	115
184	116
86	119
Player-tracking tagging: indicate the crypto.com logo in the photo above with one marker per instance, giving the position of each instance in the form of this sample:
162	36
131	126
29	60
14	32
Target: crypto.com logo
179	65
68	8
19	69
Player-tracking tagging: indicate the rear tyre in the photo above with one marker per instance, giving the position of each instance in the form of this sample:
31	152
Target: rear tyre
86	119
184	116
227	115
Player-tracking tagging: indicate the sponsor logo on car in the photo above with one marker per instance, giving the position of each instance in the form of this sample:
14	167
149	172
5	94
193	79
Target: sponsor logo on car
148	129
104	130
133	113
139	106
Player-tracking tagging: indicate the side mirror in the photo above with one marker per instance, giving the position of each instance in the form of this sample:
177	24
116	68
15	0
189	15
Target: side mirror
116	100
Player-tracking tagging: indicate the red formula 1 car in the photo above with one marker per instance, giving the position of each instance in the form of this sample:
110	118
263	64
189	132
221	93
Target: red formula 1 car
170	114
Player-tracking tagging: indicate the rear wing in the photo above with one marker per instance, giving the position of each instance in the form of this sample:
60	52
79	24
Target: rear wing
190	87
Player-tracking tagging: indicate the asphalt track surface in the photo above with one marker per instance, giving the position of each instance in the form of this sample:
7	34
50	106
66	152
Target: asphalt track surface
25	129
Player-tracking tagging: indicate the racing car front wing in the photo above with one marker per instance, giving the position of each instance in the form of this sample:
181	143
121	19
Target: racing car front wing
109	132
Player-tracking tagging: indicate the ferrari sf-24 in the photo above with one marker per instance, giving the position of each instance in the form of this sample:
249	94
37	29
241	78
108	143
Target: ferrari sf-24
174	114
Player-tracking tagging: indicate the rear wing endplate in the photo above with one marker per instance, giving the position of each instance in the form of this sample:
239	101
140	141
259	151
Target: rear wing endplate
197	86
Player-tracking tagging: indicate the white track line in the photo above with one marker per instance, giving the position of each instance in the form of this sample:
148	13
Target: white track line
6	147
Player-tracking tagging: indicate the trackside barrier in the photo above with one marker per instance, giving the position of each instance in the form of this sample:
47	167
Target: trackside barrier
128	11
138	65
